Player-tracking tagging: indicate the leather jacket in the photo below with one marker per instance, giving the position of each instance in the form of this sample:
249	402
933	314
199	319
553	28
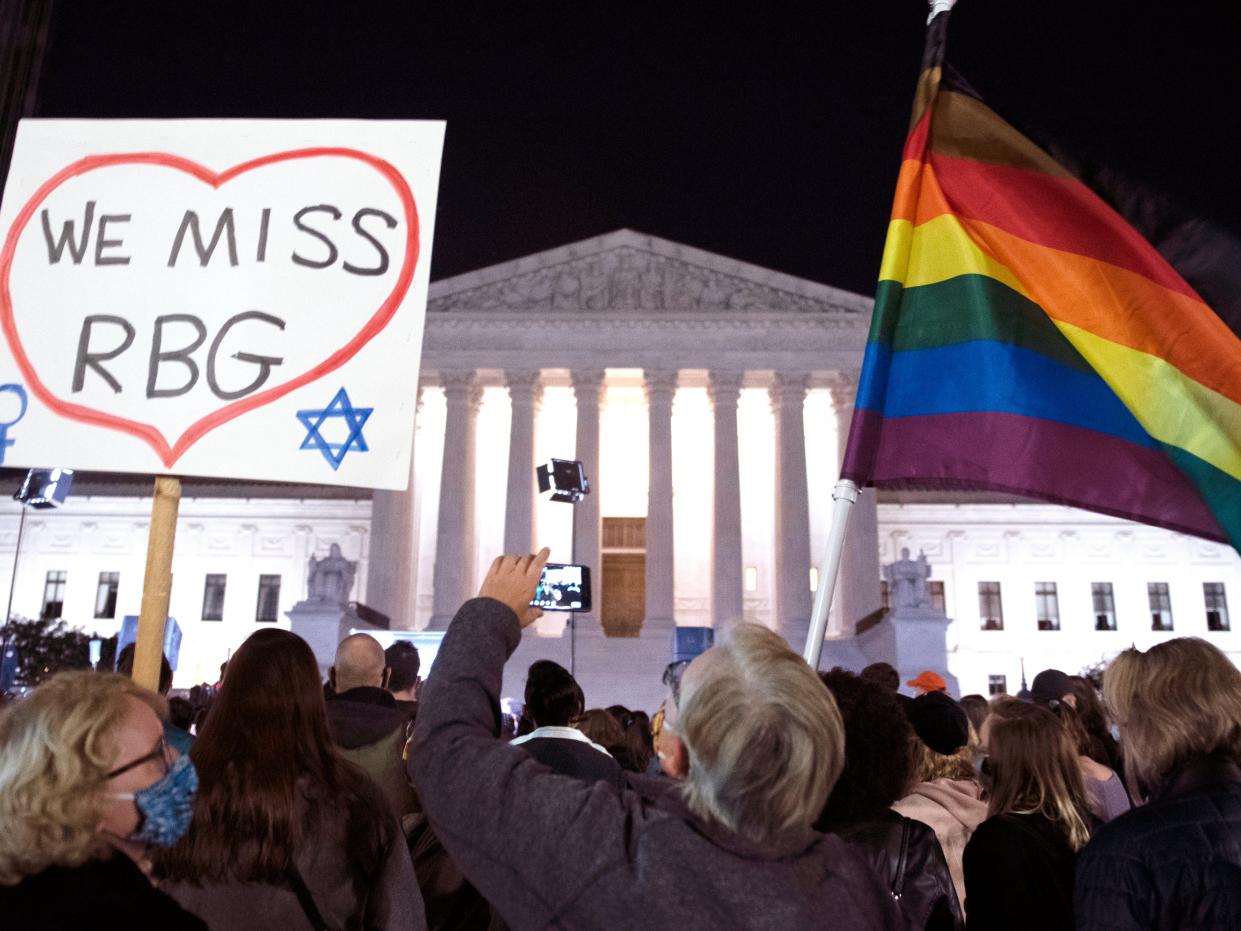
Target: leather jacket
908	858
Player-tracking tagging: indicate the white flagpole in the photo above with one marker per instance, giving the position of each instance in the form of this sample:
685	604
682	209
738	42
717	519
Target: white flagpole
844	496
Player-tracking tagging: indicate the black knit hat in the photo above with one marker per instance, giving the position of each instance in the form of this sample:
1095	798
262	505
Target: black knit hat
939	722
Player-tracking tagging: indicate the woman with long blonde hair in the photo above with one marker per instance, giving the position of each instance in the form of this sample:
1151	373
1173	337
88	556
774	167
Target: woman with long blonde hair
1174	862
1019	862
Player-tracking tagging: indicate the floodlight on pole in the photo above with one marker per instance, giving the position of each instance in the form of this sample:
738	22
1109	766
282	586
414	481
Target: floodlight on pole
41	489
565	479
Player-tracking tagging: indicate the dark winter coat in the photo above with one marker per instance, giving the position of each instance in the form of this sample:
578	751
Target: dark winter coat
554	852
1019	875
1173	863
109	895
370	730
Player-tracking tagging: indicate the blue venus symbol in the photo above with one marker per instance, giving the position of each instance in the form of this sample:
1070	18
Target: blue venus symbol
355	419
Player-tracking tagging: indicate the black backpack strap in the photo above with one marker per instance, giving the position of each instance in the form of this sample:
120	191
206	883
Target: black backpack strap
306	900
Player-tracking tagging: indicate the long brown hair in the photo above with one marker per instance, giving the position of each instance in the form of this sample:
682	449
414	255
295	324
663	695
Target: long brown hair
1035	769
263	754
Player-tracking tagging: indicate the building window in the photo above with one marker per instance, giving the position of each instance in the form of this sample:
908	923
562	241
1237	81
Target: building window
751	578
105	594
1217	606
54	594
938	602
997	685
1161	605
213	598
1104	605
814	578
883	594
269	599
990	610
1046	606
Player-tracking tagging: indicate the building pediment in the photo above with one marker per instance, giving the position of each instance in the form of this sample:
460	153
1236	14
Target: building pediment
628	273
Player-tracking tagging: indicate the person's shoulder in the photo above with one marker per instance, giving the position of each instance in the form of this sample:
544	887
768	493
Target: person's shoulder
1173	827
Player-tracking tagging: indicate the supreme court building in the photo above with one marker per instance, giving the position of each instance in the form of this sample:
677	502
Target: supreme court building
708	400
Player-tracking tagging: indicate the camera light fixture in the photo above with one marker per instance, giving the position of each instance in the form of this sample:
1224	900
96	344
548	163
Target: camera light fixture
45	488
565	479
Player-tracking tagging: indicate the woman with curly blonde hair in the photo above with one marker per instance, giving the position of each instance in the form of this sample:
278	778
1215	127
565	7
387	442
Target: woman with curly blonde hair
87	786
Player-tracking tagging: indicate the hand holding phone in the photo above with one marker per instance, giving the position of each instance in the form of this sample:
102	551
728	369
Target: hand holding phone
563	588
512	581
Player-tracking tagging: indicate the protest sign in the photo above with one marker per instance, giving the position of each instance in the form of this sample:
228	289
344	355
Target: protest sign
233	298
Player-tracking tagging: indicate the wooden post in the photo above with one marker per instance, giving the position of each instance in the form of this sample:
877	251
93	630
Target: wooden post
157	585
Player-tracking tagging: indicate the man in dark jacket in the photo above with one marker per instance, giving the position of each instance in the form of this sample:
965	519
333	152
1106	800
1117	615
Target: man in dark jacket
729	847
365	721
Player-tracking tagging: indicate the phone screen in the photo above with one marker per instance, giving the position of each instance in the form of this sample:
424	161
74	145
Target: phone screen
563	588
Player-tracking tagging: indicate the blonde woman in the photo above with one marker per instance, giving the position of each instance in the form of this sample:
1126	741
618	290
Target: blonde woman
87	787
1174	862
1019	862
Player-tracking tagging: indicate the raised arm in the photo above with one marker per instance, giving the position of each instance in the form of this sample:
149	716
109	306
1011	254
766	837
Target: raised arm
528	838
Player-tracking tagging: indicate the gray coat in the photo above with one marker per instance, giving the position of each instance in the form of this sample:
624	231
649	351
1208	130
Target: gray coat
554	852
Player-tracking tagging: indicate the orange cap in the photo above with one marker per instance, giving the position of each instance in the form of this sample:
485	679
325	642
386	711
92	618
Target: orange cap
928	681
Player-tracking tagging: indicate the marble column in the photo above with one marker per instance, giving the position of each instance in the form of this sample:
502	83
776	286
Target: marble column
587	522
793	601
454	537
660	390
392	570
727	584
858	585
523	391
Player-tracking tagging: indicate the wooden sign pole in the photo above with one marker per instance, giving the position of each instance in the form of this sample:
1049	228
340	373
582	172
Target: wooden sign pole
157	585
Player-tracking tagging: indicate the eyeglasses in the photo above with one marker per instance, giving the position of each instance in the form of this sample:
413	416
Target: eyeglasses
159	753
672	679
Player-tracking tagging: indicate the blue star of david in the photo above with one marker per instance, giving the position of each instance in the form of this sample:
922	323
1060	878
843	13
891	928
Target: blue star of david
355	418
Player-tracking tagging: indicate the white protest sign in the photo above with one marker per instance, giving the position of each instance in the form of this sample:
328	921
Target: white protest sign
235	298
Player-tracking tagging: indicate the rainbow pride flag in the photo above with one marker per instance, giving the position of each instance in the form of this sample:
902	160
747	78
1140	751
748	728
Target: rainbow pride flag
1028	339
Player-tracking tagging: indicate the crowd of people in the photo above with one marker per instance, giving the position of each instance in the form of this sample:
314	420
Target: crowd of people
761	794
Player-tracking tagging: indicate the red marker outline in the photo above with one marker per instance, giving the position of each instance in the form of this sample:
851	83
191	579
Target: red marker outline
146	432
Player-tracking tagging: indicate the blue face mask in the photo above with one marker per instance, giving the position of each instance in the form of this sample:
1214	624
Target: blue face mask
166	806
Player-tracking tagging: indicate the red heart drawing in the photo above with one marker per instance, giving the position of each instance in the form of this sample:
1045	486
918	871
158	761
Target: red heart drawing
152	436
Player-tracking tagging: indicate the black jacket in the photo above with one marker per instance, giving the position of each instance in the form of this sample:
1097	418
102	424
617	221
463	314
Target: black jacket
575	758
370	729
1019	875
100	894
1173	863
907	856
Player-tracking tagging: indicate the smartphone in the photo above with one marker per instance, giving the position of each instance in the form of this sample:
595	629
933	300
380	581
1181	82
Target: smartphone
563	588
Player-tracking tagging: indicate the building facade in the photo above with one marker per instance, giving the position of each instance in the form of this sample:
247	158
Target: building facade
707	399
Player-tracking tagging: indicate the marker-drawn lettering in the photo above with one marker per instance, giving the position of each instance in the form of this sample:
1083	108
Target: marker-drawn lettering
222	226
331	247
93	360
77	250
390	222
103	242
265	363
159	356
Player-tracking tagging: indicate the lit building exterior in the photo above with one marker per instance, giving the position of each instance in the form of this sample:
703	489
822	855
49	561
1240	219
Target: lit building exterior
707	399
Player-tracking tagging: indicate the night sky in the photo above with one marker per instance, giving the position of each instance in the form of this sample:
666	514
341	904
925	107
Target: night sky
771	133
